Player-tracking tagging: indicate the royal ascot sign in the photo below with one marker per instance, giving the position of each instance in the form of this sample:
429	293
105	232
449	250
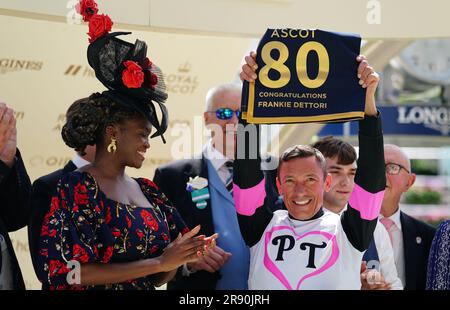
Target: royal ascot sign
304	76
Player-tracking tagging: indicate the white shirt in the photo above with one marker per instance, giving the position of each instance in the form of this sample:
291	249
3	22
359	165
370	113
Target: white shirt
337	263
397	244
218	161
79	161
6	278
387	258
386	255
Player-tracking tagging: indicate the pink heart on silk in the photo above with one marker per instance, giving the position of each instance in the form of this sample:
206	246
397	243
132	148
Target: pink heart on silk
272	267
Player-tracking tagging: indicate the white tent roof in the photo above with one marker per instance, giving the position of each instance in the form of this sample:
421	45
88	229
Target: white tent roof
370	18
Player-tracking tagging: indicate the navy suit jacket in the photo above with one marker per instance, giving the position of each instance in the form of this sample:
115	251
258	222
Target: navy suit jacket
172	179
15	189
417	238
41	196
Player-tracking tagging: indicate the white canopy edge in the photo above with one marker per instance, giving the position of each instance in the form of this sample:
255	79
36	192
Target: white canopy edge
373	19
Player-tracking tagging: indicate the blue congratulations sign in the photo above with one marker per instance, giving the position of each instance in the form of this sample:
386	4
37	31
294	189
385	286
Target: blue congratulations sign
305	76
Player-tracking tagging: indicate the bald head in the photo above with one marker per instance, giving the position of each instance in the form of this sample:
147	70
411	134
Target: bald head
396	184
394	154
215	95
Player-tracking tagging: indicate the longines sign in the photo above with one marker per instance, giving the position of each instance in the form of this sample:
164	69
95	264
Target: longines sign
11	65
417	120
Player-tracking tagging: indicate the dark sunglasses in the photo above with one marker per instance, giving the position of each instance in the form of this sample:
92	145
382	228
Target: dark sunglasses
226	113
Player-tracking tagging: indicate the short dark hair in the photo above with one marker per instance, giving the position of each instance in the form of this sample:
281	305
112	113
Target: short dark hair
302	151
331	147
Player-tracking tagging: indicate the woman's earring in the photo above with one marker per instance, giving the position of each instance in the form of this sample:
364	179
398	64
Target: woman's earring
112	147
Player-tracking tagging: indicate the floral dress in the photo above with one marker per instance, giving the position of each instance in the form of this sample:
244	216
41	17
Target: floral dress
438	277
85	226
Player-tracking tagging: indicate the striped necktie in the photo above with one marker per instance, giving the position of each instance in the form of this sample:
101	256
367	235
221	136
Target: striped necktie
229	183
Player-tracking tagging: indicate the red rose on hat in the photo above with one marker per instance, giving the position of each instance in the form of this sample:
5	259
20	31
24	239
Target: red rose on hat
153	79
147	63
87	9
132	76
99	25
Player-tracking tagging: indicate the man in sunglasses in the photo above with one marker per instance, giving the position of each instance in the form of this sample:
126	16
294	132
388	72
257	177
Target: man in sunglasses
211	177
411	239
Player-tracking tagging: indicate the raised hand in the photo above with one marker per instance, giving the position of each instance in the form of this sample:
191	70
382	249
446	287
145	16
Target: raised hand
8	135
369	80
248	69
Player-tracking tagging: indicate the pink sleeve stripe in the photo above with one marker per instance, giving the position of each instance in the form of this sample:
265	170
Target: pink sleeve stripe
248	200
368	204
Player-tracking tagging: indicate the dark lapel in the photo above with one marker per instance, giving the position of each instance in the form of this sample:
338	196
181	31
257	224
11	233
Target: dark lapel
411	251
204	216
69	167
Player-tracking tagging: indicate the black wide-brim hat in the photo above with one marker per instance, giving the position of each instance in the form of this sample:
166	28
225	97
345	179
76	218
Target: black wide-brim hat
107	55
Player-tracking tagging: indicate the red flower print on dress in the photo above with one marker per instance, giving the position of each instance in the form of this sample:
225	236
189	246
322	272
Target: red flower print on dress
159	201
115	232
64	204
108	254
54	204
150	183
62	194
80	194
44	230
185	230
80	254
149	220
154	249
165	237
139	233
108	215
57	267
129	223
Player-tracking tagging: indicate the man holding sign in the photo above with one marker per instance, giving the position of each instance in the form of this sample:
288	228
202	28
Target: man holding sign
305	76
303	247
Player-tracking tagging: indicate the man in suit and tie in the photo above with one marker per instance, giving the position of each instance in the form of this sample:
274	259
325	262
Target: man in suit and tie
227	266
42	192
14	199
411	239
